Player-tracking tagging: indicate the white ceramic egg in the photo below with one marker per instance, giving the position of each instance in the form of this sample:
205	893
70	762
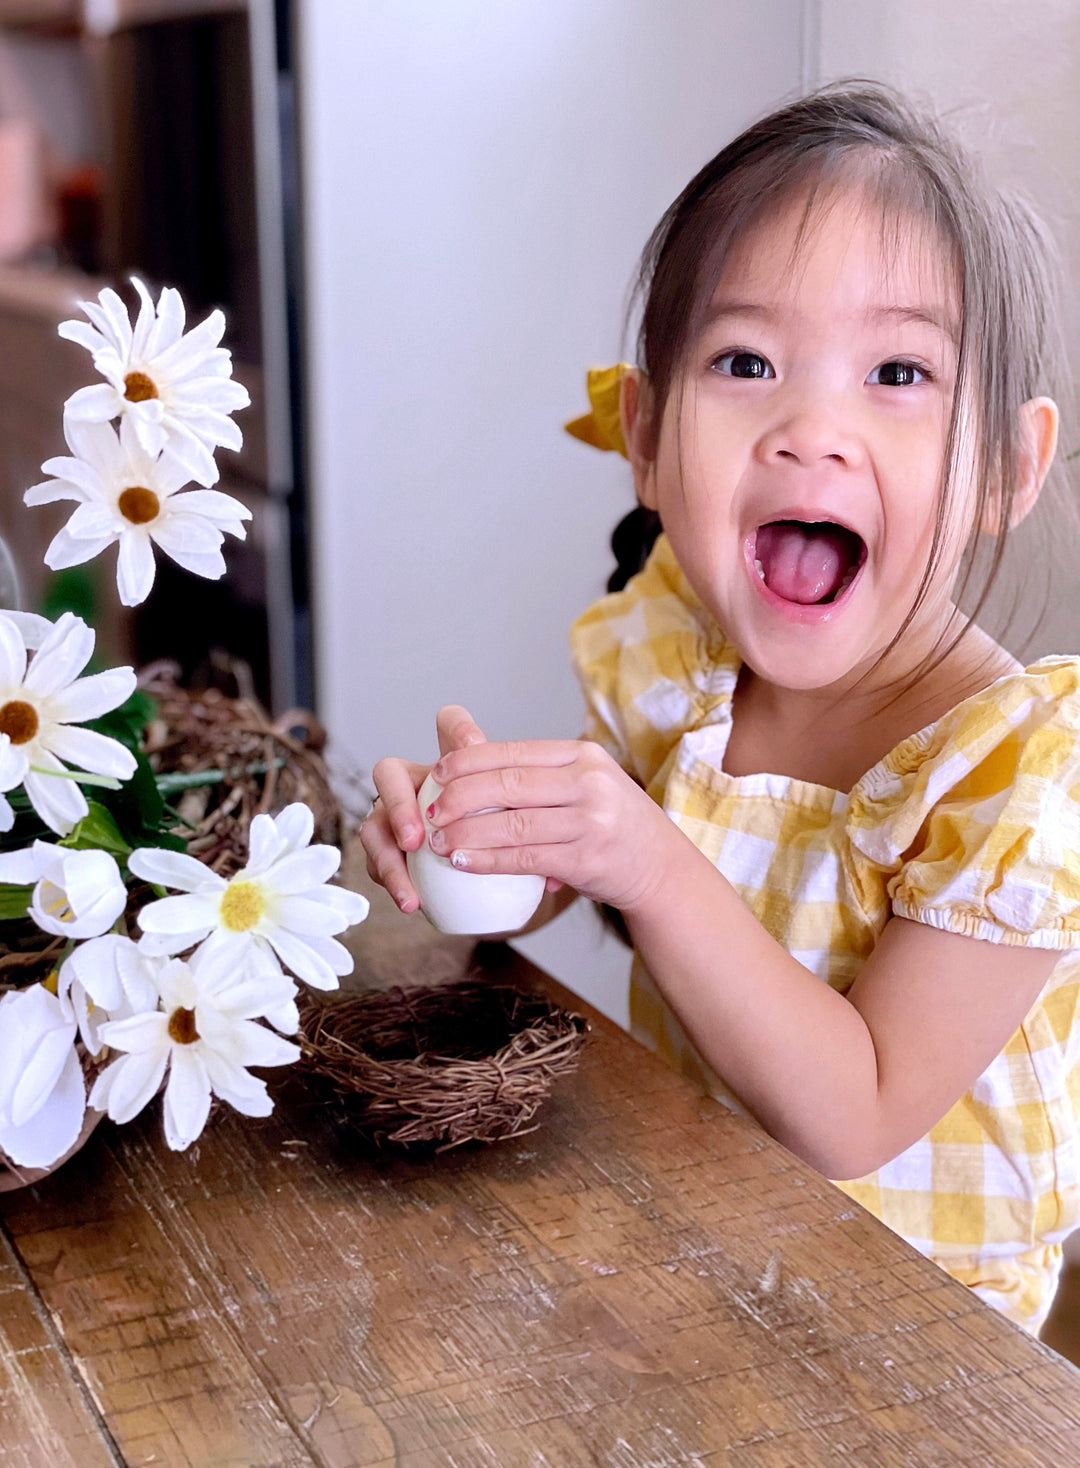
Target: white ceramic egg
468	902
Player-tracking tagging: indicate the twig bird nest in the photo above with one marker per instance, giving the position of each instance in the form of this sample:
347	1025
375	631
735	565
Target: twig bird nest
264	765
442	1064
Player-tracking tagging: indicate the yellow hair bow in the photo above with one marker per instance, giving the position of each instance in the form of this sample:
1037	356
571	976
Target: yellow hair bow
601	427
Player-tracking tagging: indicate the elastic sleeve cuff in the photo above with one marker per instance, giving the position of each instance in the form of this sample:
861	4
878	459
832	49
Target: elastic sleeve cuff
970	926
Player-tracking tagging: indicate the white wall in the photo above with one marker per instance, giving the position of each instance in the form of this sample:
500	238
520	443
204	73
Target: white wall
480	176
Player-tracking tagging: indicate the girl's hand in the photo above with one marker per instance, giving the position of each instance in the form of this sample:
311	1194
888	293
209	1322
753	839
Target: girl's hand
564	808
394	825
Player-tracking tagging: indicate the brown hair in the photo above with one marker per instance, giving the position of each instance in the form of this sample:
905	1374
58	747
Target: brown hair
864	135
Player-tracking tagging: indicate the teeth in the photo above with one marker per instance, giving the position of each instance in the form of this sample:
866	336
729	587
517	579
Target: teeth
760	569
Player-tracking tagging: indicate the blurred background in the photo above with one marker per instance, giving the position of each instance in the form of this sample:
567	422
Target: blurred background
422	218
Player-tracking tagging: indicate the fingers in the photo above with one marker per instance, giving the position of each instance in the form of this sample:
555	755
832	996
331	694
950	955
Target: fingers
397	781
453	764
515	786
497	830
393	827
456	728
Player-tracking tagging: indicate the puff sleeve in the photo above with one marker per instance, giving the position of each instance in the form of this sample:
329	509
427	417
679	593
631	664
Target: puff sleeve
975	822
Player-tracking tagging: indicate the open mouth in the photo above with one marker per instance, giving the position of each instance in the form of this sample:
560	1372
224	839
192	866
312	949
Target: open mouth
808	562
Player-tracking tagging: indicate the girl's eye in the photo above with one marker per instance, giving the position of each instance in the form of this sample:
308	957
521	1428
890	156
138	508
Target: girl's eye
897	374
743	364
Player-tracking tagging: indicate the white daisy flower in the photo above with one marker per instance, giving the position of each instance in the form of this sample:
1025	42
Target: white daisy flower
205	1035
42	1092
78	894
40	707
279	904
11	773
104	979
176	388
125	494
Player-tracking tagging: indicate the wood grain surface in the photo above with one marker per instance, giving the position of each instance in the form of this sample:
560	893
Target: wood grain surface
645	1280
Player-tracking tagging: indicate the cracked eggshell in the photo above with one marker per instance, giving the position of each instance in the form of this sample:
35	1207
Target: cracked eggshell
468	902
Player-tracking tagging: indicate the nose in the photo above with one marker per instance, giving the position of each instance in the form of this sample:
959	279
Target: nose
811	428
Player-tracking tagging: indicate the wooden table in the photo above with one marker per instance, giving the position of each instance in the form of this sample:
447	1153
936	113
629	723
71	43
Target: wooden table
645	1280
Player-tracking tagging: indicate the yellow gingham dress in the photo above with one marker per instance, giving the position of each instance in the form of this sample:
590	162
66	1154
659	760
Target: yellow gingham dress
971	825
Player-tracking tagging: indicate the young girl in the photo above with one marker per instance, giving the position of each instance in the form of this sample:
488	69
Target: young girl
802	762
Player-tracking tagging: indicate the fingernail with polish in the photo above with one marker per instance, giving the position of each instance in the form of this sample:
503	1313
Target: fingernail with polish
438	840
460	859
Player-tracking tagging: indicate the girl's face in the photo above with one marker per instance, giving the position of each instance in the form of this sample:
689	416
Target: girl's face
799	458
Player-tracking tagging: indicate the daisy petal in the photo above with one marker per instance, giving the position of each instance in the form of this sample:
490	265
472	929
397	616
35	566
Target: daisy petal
185	353
181	534
298	915
244	1092
193	912
12	651
301	870
147	422
169	327
33	629
83	333
64	550
193	455
97	404
90	697
296	825
62	656
174	869
164	945
54	490
211	567
58	801
93	752
54	1128
134	568
316	960
124	1088
41	1071
265	845
91	521
187	1098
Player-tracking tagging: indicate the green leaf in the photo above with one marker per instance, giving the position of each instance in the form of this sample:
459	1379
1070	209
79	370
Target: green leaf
98	830
14	901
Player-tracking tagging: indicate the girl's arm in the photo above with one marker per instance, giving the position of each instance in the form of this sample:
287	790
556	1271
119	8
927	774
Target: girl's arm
845	1081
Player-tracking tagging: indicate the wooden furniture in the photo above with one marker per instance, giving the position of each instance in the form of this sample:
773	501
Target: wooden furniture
645	1280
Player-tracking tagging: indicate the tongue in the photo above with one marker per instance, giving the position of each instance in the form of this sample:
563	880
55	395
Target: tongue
803	563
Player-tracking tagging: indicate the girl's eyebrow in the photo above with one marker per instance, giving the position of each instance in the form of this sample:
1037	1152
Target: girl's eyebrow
925	315
934	316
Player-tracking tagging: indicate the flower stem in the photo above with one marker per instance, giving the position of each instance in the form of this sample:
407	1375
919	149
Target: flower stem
169	784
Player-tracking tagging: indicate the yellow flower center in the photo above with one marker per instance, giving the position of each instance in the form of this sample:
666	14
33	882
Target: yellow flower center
242	906
182	1029
55	901
52	981
19	721
139	505
138	388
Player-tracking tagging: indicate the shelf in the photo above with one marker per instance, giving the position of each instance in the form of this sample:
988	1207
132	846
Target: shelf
102	17
48	16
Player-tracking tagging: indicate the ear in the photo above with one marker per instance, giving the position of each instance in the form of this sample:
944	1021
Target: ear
1038	424
636	405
